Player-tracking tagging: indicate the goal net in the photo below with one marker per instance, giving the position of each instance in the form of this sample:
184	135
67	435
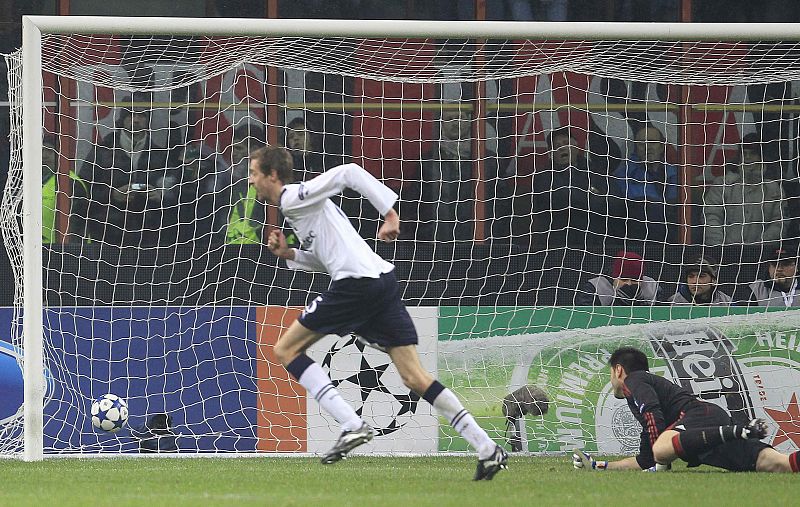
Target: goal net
540	168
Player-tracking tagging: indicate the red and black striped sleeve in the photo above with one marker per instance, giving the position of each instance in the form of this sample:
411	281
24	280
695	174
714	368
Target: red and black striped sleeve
645	457
645	400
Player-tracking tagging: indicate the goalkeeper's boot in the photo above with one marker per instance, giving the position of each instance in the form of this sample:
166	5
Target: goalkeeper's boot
348	441
487	468
756	429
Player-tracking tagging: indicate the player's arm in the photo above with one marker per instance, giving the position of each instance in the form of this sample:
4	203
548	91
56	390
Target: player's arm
582	460
333	182
648	405
391	226
277	245
624	464
645	459
295	259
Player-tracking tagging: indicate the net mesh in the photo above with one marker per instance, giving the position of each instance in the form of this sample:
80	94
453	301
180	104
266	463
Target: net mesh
536	179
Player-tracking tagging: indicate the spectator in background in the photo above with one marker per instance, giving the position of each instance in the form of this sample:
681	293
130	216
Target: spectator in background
745	205
570	201
125	178
778	288
649	187
245	214
244	138
197	213
699	284
49	188
509	10
50	191
305	144
744	11
449	185
552	10
306	148
626	286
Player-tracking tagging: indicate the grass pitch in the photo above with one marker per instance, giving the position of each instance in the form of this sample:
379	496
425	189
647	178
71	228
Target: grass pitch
435	481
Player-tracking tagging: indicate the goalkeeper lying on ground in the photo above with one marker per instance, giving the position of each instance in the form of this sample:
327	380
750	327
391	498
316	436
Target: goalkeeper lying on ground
675	424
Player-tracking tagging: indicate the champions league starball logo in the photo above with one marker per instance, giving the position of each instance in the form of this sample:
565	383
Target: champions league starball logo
367	379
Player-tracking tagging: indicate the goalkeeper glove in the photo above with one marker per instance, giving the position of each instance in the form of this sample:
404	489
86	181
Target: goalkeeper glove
583	461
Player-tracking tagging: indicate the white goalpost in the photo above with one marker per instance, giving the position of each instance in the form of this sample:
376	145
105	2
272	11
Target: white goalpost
526	157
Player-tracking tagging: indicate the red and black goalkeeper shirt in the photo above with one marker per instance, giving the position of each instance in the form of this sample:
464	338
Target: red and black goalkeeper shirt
656	403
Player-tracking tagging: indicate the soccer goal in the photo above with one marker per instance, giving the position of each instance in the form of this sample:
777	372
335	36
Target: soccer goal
526	156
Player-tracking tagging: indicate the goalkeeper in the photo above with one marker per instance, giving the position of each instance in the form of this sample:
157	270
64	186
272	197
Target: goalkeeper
363	297
675	424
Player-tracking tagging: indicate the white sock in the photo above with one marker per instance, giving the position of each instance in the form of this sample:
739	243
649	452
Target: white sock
319	385
448	406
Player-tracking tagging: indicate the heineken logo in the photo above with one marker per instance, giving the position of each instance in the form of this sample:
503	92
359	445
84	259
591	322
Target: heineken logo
754	381
702	360
778	340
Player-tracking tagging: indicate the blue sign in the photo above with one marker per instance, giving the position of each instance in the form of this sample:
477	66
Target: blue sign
11	393
196	364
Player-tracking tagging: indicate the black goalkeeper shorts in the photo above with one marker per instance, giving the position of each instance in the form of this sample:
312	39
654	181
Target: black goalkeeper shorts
737	456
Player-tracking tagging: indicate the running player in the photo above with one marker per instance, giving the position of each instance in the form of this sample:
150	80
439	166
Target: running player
363	297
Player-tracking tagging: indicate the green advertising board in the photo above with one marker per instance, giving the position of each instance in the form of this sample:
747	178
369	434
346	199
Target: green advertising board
743	359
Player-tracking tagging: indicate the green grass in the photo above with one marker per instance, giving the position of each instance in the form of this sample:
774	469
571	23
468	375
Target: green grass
415	482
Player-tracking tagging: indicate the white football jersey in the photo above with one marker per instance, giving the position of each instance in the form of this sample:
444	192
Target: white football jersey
328	242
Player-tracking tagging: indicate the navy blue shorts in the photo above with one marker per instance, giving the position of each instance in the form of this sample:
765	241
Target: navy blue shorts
368	307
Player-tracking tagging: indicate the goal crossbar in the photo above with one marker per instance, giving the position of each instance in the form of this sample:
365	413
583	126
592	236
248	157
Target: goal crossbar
411	29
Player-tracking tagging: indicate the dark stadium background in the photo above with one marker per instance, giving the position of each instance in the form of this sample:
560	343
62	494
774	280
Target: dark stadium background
521	278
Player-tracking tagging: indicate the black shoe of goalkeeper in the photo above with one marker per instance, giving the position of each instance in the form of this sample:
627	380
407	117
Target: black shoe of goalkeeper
488	468
348	441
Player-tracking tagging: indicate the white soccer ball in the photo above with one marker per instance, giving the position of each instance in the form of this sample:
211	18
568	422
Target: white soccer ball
109	413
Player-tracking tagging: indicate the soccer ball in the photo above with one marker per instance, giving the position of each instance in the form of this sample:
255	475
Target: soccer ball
367	379
109	413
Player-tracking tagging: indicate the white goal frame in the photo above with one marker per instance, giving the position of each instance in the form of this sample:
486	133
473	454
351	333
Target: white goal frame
32	119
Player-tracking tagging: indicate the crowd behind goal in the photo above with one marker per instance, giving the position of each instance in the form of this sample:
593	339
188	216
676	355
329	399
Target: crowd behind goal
130	191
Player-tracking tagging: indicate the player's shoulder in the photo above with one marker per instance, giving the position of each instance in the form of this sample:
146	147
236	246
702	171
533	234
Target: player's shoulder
643	376
293	192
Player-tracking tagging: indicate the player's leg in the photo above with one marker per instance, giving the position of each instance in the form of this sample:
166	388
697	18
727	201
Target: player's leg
693	442
686	444
664	451
703	428
290	351
770	460
294	342
346	306
491	457
748	456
